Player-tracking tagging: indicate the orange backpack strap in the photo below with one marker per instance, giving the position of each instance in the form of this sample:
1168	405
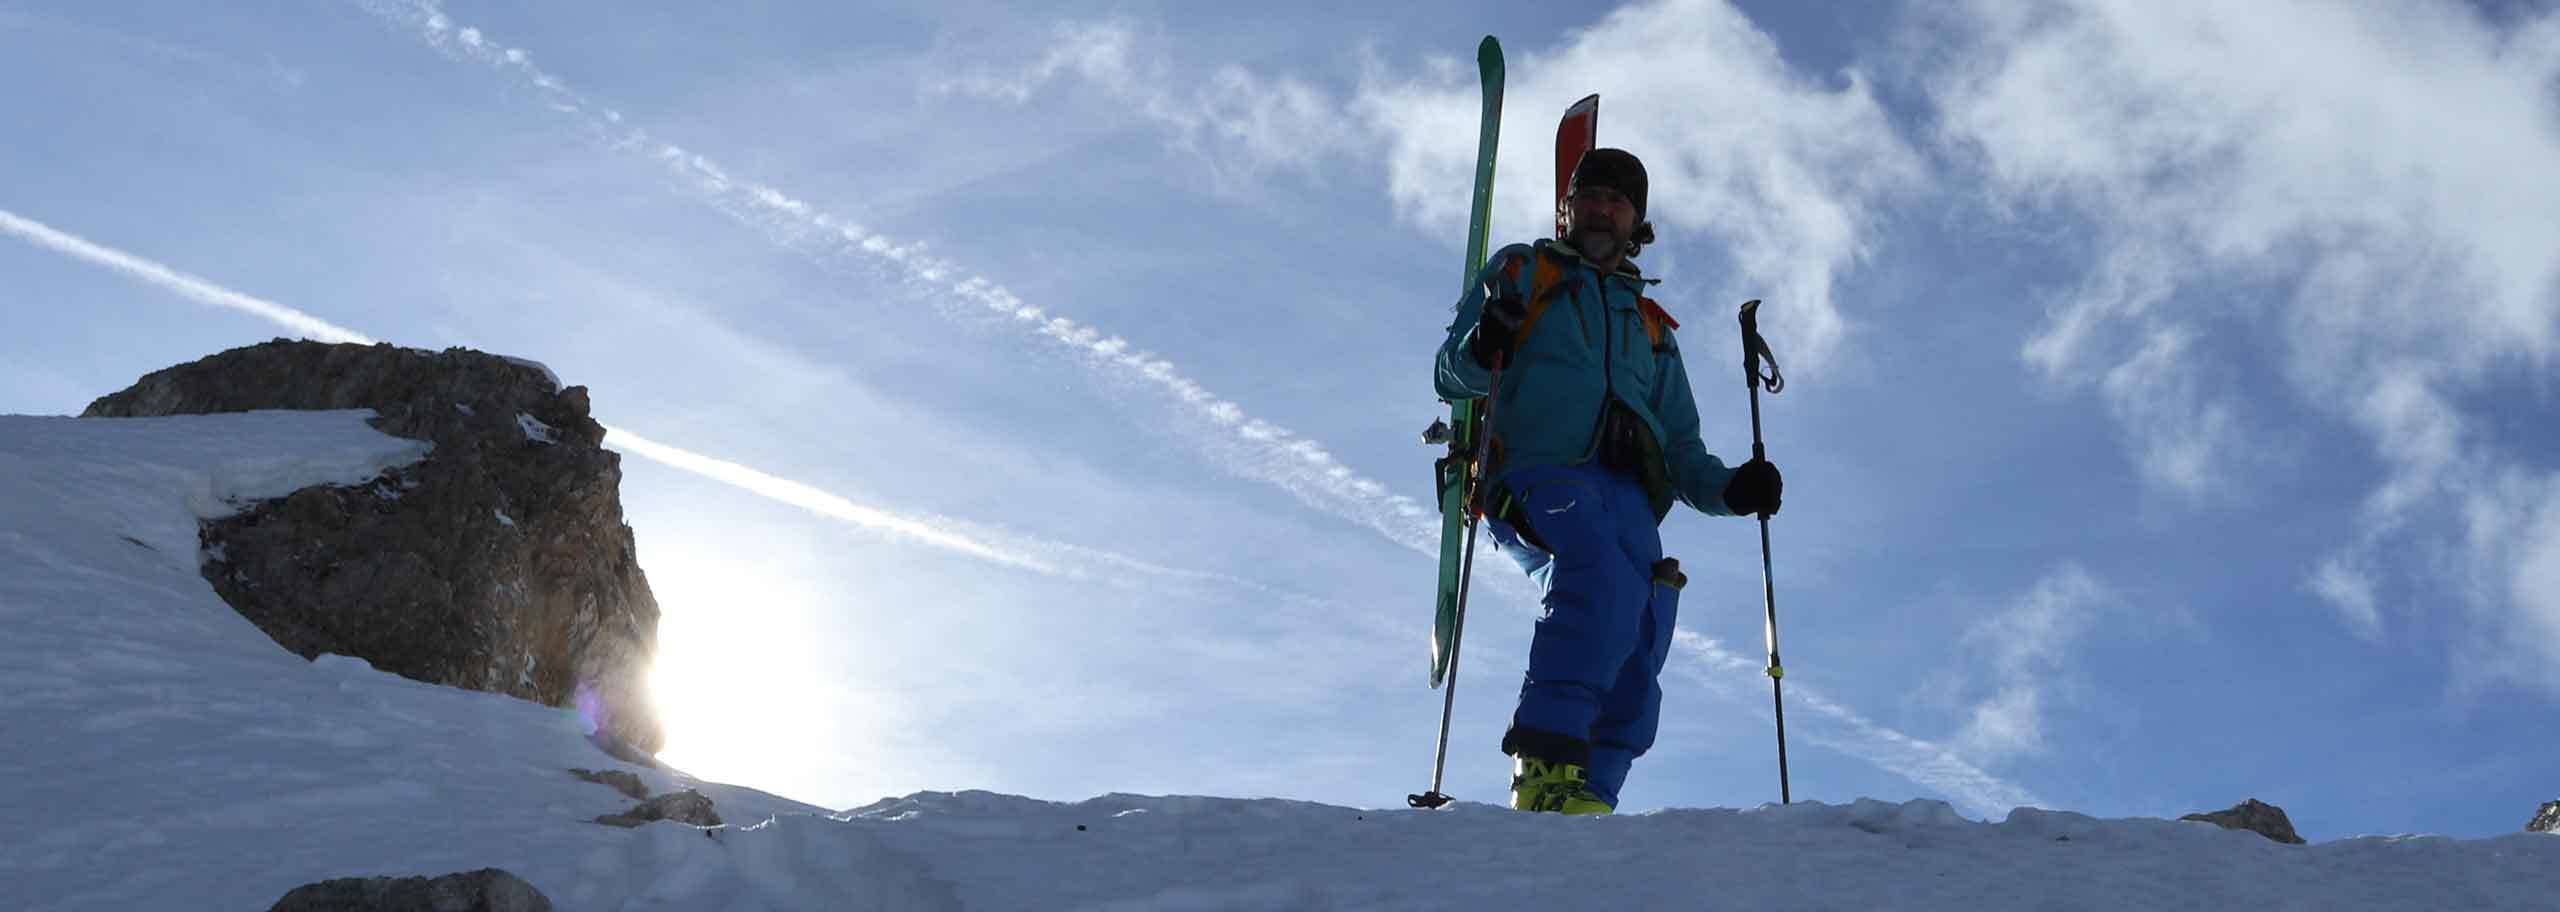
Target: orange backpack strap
1657	321
1542	285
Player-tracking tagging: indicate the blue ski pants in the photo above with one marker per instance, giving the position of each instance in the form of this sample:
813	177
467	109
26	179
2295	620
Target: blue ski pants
1599	646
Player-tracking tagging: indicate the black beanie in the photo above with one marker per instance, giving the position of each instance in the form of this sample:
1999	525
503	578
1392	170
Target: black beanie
1615	169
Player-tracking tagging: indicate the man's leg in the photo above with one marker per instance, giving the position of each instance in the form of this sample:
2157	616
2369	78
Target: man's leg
1631	710
1594	606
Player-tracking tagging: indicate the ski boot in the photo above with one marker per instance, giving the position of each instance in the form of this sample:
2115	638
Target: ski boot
1545	785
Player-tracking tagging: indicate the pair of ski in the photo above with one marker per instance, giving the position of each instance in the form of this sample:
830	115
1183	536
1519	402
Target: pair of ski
1468	432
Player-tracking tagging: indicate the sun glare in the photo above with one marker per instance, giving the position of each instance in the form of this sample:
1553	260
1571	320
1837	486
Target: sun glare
736	680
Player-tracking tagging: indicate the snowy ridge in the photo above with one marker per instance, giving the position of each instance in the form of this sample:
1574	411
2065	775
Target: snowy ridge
182	760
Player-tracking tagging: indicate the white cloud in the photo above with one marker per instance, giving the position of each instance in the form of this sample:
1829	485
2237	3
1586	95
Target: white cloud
2534	583
2181	430
2383	167
2512	540
1748	158
2026	650
1238	123
2349	587
1098	51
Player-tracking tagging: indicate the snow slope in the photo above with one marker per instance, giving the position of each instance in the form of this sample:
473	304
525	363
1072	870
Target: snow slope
163	754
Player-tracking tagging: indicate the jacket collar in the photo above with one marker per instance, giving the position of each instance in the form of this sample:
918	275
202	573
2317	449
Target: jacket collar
1627	268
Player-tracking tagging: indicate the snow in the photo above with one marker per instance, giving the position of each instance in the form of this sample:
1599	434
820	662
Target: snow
466	410
164	754
547	373
503	518
535	430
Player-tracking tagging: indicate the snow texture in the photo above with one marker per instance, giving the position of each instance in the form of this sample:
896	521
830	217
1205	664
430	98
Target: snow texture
163	754
535	430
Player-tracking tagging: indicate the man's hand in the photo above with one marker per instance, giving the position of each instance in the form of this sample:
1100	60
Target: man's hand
1499	327
1754	489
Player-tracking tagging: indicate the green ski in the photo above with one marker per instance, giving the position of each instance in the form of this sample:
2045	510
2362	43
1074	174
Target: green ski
1465	433
1455	472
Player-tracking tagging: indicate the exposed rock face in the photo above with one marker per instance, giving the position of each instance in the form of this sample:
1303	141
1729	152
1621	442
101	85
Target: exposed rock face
2255	816
2546	820
622	781
484	890
499	563
687	806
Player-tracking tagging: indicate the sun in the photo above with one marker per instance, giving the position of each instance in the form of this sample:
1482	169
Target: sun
736	680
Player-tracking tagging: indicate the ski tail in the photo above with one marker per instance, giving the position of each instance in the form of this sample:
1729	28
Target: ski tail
1576	135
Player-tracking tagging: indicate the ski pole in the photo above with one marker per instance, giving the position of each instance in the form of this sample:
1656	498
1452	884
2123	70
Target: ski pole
1466	578
1754	349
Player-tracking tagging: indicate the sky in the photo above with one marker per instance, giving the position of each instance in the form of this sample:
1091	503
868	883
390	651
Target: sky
1029	401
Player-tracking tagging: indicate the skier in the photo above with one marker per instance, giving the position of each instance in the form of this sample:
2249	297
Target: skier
1597	435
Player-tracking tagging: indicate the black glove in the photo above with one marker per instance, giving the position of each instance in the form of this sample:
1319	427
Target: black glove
1499	327
1754	489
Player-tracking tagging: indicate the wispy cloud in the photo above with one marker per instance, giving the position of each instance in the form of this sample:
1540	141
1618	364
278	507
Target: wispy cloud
1238	123
2345	584
1839	728
2382	166
2511	562
2024	653
2184	432
1233	439
1748	158
61	242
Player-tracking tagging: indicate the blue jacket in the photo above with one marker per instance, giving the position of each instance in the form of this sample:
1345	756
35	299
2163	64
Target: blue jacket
1587	346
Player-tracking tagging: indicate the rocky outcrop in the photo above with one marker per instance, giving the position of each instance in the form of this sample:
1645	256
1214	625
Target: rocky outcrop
499	563
2546	820
484	890
625	782
687	806
2255	816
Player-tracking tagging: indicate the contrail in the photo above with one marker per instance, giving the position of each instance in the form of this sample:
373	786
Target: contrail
1243	444
1843	729
47	237
1246	445
812	499
995	546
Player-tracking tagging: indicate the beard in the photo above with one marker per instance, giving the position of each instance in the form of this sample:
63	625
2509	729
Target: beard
1597	244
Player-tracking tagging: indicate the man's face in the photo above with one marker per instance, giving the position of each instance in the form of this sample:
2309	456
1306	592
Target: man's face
1603	208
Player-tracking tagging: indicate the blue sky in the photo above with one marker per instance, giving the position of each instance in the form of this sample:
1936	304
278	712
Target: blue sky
2166	420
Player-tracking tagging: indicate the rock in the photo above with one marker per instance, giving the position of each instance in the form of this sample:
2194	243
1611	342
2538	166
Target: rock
484	890
499	563
2255	816
624	782
2546	820
687	806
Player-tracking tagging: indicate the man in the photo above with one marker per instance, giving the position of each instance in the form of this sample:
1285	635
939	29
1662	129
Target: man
1596	435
